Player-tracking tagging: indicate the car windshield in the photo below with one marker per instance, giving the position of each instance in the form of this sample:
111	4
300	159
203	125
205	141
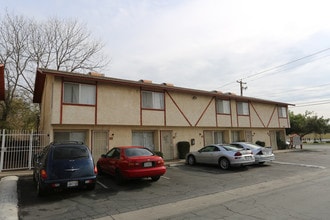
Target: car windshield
253	146
134	152
230	148
70	152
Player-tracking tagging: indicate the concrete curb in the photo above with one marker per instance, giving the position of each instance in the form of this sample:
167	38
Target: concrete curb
8	199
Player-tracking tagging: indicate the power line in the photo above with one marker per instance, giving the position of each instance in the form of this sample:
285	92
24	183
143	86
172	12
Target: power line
282	65
312	103
288	63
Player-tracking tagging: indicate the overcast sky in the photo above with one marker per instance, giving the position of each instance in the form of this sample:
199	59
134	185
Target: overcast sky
279	48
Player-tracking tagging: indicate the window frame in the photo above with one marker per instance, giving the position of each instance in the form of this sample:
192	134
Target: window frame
226	107
84	97
282	112
152	103
243	111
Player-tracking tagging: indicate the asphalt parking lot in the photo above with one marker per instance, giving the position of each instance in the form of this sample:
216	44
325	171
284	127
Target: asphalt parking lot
180	183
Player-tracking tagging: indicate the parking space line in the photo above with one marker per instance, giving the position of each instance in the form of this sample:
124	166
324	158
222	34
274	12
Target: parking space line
165	177
101	184
299	164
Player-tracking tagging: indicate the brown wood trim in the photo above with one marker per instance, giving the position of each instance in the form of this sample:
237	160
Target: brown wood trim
2	82
258	115
96	102
203	113
61	109
249	104
141	106
270	119
178	108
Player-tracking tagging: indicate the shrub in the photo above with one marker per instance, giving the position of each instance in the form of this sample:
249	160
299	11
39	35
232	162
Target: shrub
159	153
261	143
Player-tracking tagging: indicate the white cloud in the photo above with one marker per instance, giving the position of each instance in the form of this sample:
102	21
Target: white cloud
209	44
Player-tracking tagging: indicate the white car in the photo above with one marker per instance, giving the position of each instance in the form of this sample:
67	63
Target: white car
223	155
261	154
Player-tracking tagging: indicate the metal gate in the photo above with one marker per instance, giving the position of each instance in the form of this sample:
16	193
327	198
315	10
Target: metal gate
18	147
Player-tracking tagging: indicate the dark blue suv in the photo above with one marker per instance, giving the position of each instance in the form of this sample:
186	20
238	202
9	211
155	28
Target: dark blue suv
64	165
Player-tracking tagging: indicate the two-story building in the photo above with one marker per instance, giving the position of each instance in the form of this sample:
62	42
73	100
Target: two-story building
105	112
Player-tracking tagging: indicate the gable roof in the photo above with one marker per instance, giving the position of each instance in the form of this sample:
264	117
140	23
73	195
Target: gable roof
2	82
143	84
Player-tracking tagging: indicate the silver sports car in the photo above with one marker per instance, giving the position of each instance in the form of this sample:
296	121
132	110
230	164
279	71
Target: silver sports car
224	155
261	154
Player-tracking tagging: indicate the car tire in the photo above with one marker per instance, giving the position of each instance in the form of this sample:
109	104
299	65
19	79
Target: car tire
40	189
91	187
261	163
155	178
99	170
224	163
191	160
119	178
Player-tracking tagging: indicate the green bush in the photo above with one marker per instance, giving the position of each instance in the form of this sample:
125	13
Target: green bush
261	143
183	149
159	153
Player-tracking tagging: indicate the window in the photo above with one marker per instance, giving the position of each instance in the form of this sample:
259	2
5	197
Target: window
143	138
62	136
152	100
214	137
76	93
243	108
235	136
282	112
223	106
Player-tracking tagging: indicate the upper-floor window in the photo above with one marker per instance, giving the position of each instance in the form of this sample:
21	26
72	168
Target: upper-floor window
152	100
77	93
223	106
282	113
243	108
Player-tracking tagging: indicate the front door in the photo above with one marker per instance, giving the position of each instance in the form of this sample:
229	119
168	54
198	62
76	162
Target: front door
167	145
100	144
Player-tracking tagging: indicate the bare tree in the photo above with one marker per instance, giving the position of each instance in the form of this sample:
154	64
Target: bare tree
26	44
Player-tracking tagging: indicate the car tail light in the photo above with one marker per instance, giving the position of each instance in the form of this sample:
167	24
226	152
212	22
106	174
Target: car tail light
95	169
89	181
238	154
43	174
55	185
160	163
132	163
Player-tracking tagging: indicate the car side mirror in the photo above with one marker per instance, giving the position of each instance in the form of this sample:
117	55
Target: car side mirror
103	156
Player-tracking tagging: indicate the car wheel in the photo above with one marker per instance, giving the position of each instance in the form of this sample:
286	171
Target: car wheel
224	163
155	178
91	186
261	162
40	190
191	160
119	178
99	170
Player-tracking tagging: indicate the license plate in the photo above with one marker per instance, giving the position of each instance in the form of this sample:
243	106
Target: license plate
147	164
248	158
72	184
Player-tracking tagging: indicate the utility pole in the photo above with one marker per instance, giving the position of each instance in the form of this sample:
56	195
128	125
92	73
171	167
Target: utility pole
241	83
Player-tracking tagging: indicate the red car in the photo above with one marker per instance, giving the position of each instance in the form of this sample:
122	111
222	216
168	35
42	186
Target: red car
131	162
